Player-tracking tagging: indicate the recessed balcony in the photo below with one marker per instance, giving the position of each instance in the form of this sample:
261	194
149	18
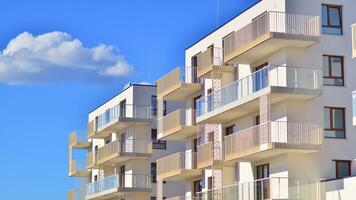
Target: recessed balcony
118	185
120	117
174	88
210	154
210	63
269	33
122	150
271	188
178	166
174	126
272	139
78	140
78	168
242	96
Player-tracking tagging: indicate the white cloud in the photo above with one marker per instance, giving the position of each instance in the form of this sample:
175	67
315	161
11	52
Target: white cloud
56	56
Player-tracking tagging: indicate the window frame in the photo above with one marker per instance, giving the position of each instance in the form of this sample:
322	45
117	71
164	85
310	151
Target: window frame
330	70
328	6
349	162
332	120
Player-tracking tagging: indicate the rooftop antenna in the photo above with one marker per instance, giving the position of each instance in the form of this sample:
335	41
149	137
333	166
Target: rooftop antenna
217	13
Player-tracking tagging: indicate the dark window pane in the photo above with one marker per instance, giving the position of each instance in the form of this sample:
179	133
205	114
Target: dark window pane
326	66
343	169
338	118
336	66
327	118
334	16
324	13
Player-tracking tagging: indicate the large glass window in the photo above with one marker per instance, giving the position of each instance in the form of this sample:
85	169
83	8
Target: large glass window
333	70
332	19
343	168
334	122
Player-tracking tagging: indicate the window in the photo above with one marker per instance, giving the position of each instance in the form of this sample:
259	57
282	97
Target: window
154	172
333	70
95	177
229	130
334	122
343	168
164	108
331	19
257	120
157	144
197	186
154	105
123	108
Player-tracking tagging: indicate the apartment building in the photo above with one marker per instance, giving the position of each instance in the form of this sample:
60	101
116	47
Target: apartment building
265	107
121	149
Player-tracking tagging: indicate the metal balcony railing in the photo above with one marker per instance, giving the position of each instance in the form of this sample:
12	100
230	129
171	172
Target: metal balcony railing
126	181
208	153
124	146
174	121
290	135
173	79
77	166
267	188
286	25
77	137
212	56
278	76
177	161
123	111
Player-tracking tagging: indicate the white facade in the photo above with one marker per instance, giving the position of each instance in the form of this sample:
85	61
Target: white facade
123	151
297	99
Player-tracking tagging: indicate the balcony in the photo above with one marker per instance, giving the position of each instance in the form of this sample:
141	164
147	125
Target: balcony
178	166
210	154
269	33
78	168
268	188
211	60
242	96
172	87
353	40
174	126
78	140
272	139
119	117
122	150
116	185
91	164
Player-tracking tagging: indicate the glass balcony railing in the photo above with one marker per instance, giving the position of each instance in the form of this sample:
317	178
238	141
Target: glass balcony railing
123	111
126	181
277	76
354	40
267	188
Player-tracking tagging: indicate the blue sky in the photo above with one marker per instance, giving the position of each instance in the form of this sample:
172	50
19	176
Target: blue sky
49	81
